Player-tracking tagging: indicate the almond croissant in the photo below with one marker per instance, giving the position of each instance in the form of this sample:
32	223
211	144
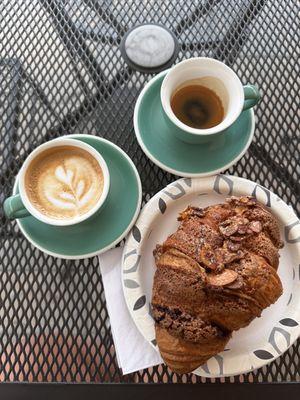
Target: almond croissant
214	275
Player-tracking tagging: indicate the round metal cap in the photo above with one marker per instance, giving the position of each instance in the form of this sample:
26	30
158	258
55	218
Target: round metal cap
149	48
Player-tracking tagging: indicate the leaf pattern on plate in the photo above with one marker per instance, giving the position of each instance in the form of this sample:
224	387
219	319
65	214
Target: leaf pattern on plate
136	233
262	194
176	196
188	181
134	266
162	205
205	368
287	232
131	284
288	322
282	332
223	185
263	354
141	301
220	362
130	253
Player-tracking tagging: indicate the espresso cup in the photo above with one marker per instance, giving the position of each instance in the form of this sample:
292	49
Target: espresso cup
63	187
217	77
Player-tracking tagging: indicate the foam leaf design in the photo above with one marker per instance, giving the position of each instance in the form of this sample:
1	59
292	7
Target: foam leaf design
61	203
66	196
64	176
80	189
75	196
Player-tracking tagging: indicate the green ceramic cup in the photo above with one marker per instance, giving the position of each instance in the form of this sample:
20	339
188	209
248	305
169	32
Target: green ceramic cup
216	76
20	206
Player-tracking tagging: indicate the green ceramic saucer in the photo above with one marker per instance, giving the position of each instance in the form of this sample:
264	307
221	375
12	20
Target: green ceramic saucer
155	137
107	227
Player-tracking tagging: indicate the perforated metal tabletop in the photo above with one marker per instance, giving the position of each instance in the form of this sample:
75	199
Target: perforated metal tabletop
61	71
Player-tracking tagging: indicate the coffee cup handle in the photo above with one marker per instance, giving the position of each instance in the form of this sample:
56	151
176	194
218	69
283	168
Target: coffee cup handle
252	96
14	207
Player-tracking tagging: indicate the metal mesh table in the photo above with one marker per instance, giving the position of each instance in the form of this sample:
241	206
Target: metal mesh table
61	71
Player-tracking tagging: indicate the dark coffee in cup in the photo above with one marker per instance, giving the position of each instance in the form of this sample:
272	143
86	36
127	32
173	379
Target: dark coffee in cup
201	118
197	105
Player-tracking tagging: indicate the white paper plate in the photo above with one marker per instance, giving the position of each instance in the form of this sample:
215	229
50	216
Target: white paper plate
267	337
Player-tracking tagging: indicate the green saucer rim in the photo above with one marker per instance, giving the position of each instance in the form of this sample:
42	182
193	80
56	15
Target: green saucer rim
124	233
165	167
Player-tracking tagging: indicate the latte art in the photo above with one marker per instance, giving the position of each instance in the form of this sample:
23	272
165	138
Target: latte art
64	182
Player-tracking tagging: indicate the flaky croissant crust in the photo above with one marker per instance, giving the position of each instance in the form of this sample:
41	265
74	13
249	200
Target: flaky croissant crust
214	275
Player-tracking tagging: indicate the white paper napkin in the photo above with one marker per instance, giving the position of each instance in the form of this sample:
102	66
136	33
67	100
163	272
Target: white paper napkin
133	351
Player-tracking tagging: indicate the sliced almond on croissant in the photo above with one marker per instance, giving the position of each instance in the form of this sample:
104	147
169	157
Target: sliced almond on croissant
255	226
224	278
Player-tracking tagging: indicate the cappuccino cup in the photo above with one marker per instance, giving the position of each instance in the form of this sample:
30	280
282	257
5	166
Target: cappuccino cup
62	182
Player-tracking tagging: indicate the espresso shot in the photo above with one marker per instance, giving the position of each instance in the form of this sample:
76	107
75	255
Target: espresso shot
197	106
